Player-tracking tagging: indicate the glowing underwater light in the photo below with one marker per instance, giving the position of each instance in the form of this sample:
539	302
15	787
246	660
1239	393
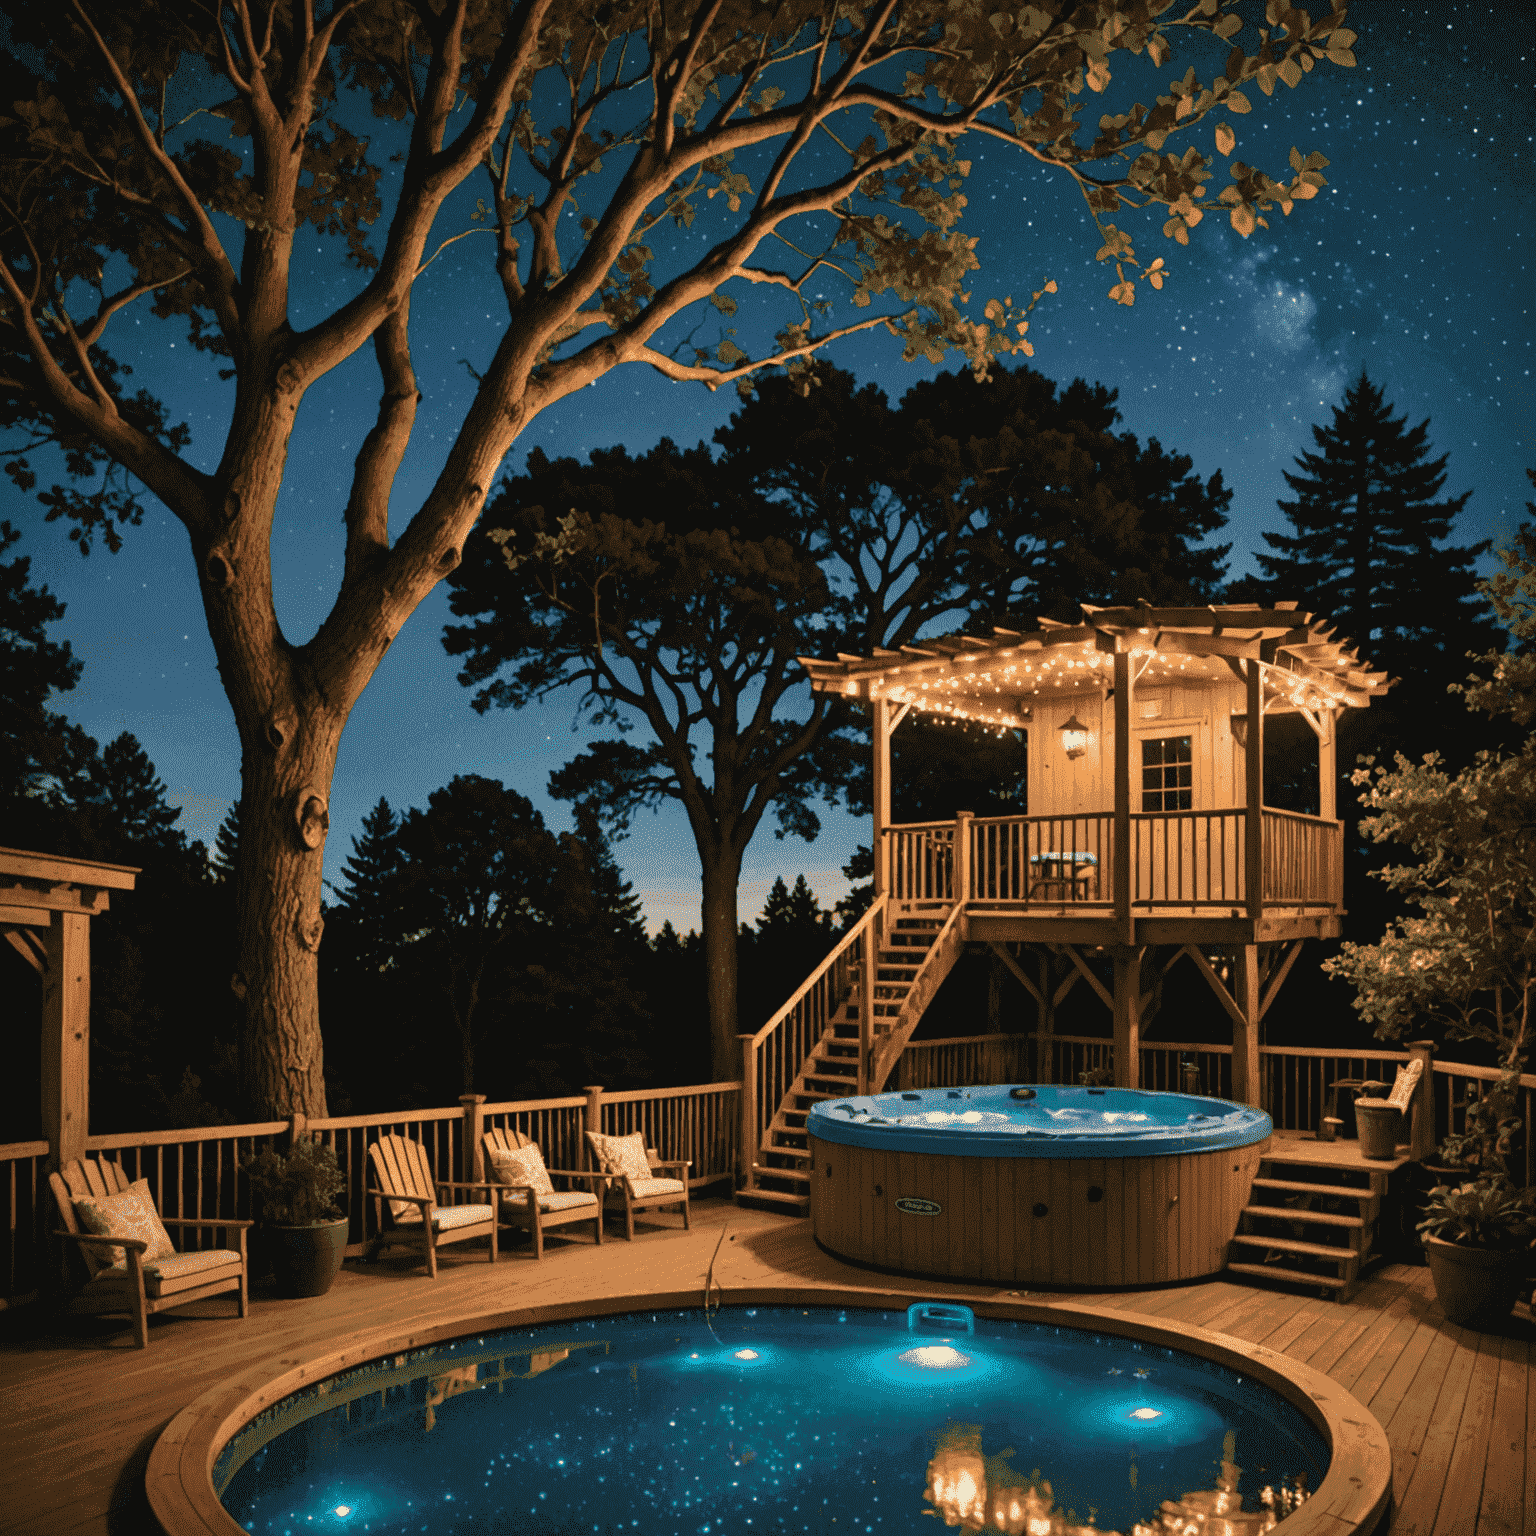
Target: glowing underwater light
746	1354
935	1357
342	1511
1145	1413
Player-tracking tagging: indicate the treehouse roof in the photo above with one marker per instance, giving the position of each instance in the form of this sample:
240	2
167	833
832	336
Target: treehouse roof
994	679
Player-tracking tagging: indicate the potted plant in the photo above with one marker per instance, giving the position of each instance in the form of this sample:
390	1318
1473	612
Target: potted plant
302	1228
1480	1239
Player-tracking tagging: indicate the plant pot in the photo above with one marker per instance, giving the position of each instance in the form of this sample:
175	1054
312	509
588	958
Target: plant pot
306	1260
1380	1124
1475	1287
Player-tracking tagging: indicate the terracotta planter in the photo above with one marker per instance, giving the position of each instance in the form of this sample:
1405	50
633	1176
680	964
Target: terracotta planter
306	1260
1475	1287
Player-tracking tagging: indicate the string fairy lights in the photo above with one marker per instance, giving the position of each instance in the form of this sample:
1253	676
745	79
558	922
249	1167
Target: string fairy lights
993	683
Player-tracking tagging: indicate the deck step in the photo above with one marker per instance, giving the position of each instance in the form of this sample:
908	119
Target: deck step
1290	1276
779	1198
1338	1191
1290	1213
1269	1240
795	1175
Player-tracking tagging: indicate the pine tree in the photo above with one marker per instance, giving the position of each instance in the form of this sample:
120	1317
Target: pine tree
1368	544
226	846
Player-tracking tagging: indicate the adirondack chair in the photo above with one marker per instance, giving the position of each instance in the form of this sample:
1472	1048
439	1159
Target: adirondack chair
406	1203
524	1206
136	1285
636	1186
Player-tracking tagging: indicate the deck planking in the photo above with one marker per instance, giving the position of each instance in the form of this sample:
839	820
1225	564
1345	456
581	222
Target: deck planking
80	1408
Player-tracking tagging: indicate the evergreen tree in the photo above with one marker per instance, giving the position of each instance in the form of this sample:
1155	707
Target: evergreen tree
32	669
1368	544
226	846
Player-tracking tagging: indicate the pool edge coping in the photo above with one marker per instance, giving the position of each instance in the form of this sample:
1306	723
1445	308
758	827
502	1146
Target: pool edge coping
1352	1497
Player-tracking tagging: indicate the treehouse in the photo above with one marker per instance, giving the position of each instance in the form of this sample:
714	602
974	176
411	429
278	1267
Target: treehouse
1147	842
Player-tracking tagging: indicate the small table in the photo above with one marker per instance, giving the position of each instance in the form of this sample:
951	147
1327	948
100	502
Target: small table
1068	872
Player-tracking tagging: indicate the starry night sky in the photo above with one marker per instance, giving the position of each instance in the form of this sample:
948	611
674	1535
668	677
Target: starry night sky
1414	262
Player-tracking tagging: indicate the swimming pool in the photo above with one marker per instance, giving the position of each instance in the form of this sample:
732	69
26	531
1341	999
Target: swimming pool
779	1419
1034	1184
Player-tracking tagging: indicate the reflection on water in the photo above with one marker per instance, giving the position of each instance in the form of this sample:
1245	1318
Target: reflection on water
970	1489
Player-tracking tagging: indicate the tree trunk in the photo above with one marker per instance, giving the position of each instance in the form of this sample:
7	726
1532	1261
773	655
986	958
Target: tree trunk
285	790
717	912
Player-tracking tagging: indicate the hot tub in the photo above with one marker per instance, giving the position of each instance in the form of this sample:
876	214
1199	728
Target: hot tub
1034	1185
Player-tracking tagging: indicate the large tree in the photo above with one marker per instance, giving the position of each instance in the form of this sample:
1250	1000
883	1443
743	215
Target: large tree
679	590
824	129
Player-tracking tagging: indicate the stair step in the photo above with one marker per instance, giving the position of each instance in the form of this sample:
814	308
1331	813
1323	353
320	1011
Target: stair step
1294	1276
1321	1218
1339	1191
1293	1245
799	1204
793	1175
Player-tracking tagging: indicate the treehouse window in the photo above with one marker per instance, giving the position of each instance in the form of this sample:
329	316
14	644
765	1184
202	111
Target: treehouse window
1167	774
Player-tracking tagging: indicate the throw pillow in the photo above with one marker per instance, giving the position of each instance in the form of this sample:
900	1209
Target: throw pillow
130	1214
623	1156
525	1166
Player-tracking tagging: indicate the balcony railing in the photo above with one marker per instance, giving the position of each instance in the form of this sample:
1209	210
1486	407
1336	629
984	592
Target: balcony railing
1179	859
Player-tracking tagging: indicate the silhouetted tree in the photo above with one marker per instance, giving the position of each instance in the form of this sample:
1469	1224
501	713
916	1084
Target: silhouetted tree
694	114
472	915
682	590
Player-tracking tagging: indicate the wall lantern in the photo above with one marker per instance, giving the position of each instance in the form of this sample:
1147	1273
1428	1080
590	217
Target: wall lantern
1074	737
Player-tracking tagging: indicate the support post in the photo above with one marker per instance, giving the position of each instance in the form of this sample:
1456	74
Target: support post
474	1129
1045	1026
66	1042
1246	1085
961	891
747	1152
1422	1131
1124	930
1253	840
1328	765
592	1115
1127	1018
880	730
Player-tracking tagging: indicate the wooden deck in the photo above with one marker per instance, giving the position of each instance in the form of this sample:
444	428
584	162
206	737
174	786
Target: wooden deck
80	1408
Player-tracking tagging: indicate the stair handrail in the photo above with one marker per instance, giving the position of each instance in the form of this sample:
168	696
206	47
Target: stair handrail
753	1102
884	1060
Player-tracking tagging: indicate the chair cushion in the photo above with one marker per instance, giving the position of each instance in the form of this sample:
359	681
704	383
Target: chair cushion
523	1166
621	1155
130	1214
182	1271
639	1189
448	1217
516	1204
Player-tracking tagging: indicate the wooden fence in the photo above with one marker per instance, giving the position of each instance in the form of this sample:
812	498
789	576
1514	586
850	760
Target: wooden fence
195	1172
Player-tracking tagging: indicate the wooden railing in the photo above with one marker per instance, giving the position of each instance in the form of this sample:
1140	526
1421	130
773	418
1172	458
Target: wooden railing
1303	860
1453	1091
921	861
1187	858
1048	859
771	1059
195	1173
1178	859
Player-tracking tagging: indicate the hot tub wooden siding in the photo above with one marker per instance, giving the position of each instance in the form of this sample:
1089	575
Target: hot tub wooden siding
1158	1219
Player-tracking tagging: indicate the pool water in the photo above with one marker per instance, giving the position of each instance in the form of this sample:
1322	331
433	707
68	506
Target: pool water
772	1419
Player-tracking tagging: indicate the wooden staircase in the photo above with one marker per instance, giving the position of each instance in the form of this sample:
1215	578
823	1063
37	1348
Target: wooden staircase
1313	1217
915	956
